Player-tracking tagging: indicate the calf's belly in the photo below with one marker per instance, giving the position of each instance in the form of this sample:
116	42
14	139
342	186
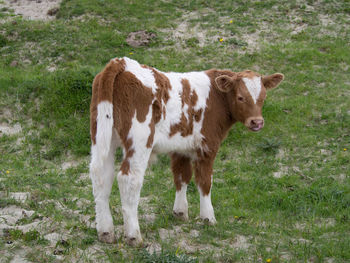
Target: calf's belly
184	145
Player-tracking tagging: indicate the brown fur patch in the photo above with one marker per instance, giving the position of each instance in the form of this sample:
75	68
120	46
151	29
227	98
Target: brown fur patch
130	97
198	115
108	75
203	169
158	106
218	112
162	93
102	90
156	116
248	74
186	90
182	170
163	84
93	108
129	152
272	81
194	98
190	98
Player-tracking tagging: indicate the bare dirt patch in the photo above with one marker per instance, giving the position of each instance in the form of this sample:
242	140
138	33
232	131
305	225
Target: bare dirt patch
241	242
10	216
140	38
69	164
33	9
189	28
9	130
20	196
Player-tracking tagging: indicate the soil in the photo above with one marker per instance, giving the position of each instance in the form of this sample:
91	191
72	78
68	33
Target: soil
33	9
140	38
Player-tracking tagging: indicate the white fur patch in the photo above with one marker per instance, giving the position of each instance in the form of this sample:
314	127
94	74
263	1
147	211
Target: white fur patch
130	188
206	208
254	87
180	204
144	75
200	83
130	184
102	176
139	133
104	128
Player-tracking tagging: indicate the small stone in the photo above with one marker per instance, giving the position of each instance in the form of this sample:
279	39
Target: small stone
53	11
165	233
14	63
194	233
277	174
27	62
154	248
53	238
20	196
58	252
326	152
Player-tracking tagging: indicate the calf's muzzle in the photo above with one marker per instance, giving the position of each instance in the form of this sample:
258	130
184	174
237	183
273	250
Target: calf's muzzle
255	124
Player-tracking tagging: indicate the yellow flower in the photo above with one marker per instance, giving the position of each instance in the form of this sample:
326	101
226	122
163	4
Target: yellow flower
131	53
345	149
236	217
268	260
231	21
7	171
221	39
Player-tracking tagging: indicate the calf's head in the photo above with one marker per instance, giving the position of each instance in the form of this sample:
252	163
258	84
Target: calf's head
246	92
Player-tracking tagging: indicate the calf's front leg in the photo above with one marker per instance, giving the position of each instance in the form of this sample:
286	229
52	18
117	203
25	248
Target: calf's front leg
182	171
203	176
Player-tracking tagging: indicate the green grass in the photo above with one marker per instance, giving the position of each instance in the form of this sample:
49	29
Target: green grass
281	194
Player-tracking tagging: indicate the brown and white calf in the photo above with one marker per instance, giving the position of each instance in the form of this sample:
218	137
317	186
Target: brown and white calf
146	112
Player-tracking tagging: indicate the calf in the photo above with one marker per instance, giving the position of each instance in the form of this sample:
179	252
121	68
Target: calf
146	112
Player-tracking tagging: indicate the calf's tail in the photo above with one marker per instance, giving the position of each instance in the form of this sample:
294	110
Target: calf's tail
104	118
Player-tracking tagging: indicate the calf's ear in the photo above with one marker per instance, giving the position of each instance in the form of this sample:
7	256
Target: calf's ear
272	81
225	83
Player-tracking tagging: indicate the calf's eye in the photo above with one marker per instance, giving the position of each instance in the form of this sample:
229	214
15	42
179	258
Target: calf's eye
241	99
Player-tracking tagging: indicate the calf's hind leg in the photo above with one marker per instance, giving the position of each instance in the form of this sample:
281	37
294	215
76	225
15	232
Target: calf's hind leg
182	171
130	180
102	176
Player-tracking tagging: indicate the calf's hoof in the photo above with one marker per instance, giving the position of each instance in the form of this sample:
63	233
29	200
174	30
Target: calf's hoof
107	237
181	215
134	241
209	221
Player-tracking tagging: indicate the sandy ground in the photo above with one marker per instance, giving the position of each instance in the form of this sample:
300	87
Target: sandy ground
32	9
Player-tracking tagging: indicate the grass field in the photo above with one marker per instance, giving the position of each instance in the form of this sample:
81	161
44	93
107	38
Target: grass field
280	195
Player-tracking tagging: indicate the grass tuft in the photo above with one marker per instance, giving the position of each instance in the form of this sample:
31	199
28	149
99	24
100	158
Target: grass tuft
270	145
164	257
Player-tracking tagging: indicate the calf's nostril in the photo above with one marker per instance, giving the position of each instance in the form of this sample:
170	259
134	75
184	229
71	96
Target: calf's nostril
257	122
